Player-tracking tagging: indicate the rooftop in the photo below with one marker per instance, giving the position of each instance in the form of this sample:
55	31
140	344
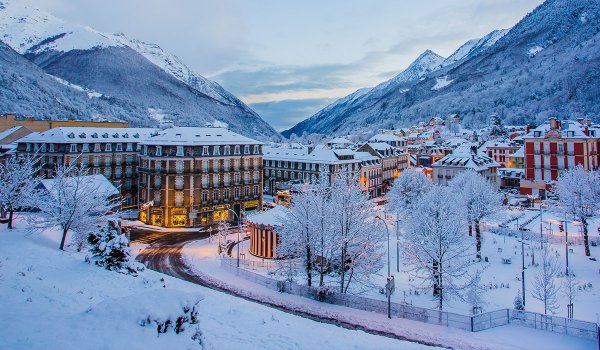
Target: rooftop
88	135
192	136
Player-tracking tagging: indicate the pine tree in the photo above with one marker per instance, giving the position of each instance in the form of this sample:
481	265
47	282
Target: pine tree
518	302
110	249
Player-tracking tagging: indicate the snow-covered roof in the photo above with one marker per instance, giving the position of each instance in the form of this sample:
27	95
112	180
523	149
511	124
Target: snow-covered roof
339	140
567	129
6	133
386	138
498	144
463	157
195	136
321	156
270	217
88	135
512	173
105	187
520	153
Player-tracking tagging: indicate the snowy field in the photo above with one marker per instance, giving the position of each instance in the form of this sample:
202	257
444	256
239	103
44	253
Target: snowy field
54	300
502	280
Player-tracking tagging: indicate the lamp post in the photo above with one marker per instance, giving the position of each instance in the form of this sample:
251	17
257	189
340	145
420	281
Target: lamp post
522	262
389	284
239	220
397	243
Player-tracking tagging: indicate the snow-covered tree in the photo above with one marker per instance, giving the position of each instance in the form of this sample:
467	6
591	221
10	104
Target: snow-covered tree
324	246
545	287
297	239
437	253
75	202
223	229
579	194
408	187
110	248
479	198
357	236
518	301
18	178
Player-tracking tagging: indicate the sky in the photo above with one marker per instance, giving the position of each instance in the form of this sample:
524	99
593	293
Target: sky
289	59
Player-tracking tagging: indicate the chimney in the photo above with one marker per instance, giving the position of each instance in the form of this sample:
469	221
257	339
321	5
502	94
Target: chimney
580	121
553	123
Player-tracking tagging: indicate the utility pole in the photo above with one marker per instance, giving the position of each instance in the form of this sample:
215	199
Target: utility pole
389	286
397	243
567	244
522	263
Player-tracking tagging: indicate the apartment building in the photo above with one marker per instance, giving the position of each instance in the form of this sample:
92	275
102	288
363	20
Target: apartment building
464	158
112	152
195	177
555	146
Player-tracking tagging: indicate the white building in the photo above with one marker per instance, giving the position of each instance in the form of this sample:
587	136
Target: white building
462	159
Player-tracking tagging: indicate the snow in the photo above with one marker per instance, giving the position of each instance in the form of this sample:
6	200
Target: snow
53	298
268	217
198	136
90	93
534	51
98	181
442	82
6	133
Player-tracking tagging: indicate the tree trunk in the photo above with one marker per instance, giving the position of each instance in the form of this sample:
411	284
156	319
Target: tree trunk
308	266
62	240
349	279
10	218
343	270
586	240
440	288
470	229
478	238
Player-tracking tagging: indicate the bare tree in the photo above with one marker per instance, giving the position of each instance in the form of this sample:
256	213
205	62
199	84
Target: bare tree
18	179
437	252
545	288
570	287
75	202
579	194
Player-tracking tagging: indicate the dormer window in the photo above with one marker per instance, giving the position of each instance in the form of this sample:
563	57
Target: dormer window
86	147
105	135
108	147
119	147
71	135
227	150
246	149
216	150
180	151
129	146
236	149
158	151
28	147
256	149
94	135
126	135
82	135
51	147
205	150
43	147
537	133
96	147
73	148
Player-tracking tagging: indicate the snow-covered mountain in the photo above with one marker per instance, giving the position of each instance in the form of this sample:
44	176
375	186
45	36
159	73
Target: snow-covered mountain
546	65
128	71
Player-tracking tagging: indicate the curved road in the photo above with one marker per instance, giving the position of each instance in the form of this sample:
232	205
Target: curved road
164	255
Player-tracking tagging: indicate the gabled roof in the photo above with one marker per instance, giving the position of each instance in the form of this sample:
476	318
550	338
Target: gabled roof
462	157
321	156
386	138
194	136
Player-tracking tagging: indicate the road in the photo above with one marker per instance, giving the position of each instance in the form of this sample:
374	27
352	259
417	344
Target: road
164	255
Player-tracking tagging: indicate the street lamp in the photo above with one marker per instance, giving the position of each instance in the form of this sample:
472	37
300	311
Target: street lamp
389	284
239	230
522	262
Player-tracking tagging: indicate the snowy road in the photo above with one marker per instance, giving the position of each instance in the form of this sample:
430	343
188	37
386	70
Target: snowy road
164	255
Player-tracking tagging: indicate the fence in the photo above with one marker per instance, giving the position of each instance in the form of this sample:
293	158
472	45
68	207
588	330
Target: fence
474	323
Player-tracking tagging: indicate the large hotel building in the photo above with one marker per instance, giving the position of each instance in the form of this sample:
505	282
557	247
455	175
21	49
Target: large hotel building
192	177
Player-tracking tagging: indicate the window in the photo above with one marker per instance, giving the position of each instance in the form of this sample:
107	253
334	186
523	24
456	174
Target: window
96	147
178	199
179	151
96	171
205	166
237	178
256	190
128	183
204	196
205	181
179	166
108	147
216	196
236	149
156	197
256	176
246	149
205	150
43	147
157	181
128	171
179	182
226	179
145	150
118	172
246	177
72	150
28	147
227	150
86	147
157	165
51	147
96	161
107	171
216	166
216	180
129	159
118	159
247	191
226	164
158	151
256	149
84	161
226	194
119	147
237	193
216	150
129	147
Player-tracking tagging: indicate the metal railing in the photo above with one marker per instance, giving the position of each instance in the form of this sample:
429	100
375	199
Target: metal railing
475	323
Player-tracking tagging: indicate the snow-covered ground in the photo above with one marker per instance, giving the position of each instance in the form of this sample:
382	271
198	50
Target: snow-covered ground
53	299
201	256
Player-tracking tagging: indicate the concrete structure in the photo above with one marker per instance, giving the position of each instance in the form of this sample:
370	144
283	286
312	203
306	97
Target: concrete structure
555	146
8	121
370	174
112	152
393	161
390	139
499	150
194	177
263	233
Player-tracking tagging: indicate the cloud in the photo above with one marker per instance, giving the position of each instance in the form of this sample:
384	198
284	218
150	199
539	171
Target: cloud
282	115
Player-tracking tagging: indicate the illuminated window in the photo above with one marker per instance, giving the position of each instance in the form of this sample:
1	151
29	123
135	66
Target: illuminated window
178	199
